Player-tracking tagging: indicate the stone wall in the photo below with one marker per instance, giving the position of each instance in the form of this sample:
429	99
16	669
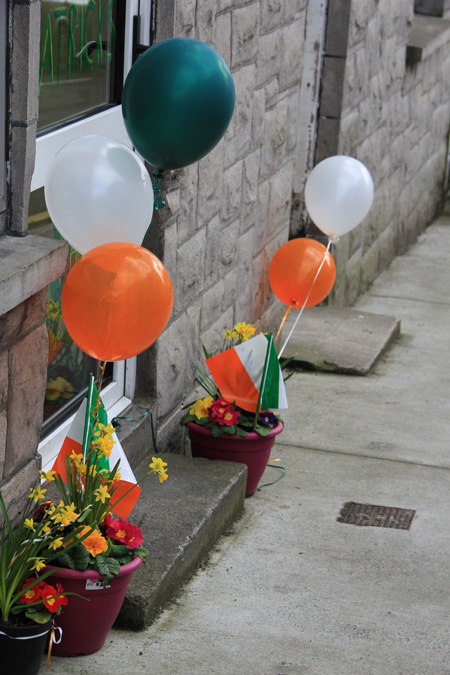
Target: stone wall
28	265
392	115
228	213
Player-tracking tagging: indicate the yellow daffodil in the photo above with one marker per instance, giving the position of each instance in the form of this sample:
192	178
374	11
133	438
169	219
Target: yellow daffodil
39	563
29	523
101	494
65	515
56	543
244	330
37	493
48	476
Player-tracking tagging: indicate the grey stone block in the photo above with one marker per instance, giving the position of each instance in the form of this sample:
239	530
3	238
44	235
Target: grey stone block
340	340
271	15
245	34
337	27
16	323
190	270
22	156
195	506
428	34
332	86
3	379
231	195
327	138
15	488
25	62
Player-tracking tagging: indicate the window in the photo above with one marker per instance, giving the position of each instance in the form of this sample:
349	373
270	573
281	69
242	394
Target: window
86	52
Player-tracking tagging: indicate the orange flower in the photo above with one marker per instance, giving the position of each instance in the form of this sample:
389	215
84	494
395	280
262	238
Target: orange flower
95	543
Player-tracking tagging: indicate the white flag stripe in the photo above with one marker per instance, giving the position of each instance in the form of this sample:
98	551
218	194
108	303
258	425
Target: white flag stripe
252	354
117	452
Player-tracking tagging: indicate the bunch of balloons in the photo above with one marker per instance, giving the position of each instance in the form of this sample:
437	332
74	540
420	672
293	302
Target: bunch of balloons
178	101
338	195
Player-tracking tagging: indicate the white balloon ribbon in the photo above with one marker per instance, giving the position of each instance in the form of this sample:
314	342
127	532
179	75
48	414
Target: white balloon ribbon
307	297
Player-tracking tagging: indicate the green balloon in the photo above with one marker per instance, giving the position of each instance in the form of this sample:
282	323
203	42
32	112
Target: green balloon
177	103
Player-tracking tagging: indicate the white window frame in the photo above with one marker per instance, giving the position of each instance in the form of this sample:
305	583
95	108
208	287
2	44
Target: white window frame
119	393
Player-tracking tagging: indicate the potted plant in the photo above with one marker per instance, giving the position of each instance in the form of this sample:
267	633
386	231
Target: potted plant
234	422
28	603
105	551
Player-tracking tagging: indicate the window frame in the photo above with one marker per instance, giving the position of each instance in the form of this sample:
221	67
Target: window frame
117	395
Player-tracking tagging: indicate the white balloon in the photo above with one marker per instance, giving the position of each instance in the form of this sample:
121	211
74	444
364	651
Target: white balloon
338	194
98	191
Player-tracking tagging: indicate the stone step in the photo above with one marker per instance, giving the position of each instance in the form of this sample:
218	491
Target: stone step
181	520
340	340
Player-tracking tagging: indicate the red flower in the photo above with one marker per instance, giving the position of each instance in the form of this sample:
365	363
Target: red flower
223	413
33	594
50	602
123	531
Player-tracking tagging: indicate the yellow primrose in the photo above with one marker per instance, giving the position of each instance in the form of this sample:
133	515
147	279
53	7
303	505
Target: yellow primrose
201	407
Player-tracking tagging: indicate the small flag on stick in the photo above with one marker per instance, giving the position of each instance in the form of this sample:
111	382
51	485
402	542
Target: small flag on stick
240	375
78	439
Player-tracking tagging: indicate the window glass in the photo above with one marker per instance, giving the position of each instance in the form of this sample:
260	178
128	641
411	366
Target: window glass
68	367
81	63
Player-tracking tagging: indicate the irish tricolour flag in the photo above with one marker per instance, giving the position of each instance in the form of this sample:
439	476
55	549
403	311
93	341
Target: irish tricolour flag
78	438
250	373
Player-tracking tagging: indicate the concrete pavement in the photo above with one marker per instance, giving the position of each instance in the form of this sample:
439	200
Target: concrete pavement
292	591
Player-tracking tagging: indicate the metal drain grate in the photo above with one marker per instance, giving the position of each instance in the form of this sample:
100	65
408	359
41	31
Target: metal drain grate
376	516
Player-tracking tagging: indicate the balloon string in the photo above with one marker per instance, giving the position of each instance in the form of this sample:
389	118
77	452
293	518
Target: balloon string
306	299
285	316
158	175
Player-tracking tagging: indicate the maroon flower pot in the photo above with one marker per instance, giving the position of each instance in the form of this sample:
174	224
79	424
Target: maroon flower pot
85	625
253	450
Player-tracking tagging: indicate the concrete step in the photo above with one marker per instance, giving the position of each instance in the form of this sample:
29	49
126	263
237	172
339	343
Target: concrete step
181	520
340	340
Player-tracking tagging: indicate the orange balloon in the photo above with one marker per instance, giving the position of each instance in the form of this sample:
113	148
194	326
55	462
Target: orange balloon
293	270
116	301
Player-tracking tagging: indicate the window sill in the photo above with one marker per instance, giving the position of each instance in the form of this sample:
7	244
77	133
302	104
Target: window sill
29	264
428	34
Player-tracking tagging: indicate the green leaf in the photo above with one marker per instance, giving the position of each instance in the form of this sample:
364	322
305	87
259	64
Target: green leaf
263	431
66	560
216	431
38	615
241	432
141	552
107	566
81	558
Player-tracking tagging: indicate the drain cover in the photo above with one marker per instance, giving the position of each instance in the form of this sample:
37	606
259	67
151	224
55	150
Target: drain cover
376	516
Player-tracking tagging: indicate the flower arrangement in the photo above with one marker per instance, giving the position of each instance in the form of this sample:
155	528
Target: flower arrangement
219	415
24	552
92	491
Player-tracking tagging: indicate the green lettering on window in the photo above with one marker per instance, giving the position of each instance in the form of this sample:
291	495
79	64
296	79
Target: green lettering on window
73	13
47	62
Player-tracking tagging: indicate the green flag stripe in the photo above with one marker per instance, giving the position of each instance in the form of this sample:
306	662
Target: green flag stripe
270	397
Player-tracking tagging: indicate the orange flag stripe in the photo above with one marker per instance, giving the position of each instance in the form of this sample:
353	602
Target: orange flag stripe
232	380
